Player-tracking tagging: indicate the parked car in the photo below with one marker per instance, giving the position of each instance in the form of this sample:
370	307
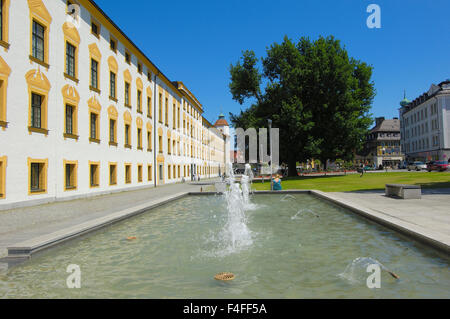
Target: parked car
417	166
438	166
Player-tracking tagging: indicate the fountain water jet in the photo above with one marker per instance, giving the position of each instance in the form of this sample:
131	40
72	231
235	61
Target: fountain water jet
236	232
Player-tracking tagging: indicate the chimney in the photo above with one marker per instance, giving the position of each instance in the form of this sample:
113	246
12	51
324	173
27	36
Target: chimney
378	121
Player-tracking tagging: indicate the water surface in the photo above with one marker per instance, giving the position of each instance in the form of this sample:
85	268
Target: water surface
300	247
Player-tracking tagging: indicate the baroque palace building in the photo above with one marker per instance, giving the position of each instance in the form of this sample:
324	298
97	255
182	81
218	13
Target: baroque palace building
83	111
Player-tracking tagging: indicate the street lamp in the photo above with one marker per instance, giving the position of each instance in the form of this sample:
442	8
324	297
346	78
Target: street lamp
269	121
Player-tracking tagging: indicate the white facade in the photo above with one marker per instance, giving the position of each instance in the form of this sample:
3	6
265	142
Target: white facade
21	145
425	125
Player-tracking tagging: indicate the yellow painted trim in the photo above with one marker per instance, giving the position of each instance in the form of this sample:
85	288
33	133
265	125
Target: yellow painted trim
130	171
97	177
127	76
5	71
40	14
99	27
109	173
72	98
72	36
39	84
140	173
43	178
94	107
113	65
75	187
149	173
3	164
5	26
94	54
113	115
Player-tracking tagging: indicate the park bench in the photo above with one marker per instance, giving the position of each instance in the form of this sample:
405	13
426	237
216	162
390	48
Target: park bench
403	191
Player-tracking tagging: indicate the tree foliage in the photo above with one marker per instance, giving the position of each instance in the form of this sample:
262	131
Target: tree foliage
316	94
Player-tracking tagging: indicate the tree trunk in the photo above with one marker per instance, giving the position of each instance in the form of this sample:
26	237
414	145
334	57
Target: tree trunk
292	167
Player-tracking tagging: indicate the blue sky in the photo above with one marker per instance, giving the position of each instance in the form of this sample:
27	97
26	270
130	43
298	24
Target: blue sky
196	41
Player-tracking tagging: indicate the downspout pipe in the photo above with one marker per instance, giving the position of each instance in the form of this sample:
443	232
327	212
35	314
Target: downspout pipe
155	145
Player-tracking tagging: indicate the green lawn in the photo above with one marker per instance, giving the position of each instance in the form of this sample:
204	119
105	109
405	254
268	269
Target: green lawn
369	181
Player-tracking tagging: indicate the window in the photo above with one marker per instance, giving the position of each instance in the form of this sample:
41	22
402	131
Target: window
94	173
94	74
139	173
112	174
69	119
139	67
127	136
36	103
95	28
168	146
3	161
149	173
37	176
127	173
174	171
160	144
112	85
174	124
160	108
169	175
161	172
139	101
94	136
70	107
127	57
112	132
4	25
70	172
139	138
167	112
149	107
127	94
38	41
3	92
113	44
149	76
149	141
70	60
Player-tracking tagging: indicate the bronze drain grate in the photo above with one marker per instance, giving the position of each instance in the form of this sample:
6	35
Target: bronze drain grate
224	276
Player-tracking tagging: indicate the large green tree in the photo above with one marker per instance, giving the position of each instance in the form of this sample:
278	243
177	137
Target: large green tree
316	94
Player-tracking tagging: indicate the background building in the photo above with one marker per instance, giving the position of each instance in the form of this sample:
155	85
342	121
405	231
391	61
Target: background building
84	111
425	124
382	146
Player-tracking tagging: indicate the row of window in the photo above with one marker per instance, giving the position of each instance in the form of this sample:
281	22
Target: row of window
421	115
38	174
422	144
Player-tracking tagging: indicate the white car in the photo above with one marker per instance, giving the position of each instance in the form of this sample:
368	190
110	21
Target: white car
417	166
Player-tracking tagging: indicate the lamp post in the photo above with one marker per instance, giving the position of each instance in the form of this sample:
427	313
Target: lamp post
269	121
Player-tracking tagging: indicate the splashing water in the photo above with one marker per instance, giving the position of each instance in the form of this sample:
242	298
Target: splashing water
304	212
236	235
286	198
355	272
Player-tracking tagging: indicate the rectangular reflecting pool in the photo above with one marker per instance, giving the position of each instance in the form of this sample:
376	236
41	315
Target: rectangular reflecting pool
297	246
